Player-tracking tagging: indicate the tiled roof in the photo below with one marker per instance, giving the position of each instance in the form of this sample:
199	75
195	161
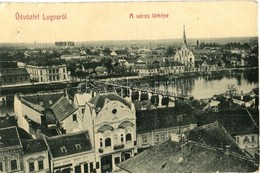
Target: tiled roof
100	100
9	137
147	120
170	156
63	108
213	134
13	72
34	146
41	100
65	145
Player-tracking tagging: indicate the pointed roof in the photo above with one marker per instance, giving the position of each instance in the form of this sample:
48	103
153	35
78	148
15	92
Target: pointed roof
184	35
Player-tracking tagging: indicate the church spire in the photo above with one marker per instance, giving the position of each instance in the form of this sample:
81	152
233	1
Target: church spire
184	35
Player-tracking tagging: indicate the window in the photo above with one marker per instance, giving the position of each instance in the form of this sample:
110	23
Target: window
237	140
40	164
41	72
57	70
91	166
85	168
122	138
63	149
21	78
83	110
117	160
31	166
1	166
107	142
246	139
63	70
128	137
97	165
64	76
163	136
101	142
144	139
25	77
53	71
13	165
157	138
252	138
74	117
78	146
49	71
114	111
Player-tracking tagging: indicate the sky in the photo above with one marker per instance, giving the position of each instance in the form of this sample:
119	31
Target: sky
111	21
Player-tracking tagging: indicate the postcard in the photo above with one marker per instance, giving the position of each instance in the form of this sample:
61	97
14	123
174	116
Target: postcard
141	87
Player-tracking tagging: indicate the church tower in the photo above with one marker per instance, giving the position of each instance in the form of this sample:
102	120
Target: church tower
185	55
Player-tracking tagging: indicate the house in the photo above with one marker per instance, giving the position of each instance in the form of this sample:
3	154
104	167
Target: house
51	110
11	150
71	153
14	76
35	158
111	123
156	125
204	149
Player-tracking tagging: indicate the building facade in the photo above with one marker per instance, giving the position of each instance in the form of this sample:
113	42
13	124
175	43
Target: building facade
72	153
11	151
14	76
110	120
185	55
35	158
54	73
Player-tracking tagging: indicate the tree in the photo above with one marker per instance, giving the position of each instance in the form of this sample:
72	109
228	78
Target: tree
170	51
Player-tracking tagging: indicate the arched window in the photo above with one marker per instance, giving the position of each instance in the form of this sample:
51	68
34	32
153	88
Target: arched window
128	137
101	142
107	142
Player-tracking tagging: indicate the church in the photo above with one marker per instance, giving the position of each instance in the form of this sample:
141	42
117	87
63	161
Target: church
185	55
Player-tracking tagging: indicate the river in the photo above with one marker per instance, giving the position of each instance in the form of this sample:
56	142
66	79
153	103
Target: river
206	86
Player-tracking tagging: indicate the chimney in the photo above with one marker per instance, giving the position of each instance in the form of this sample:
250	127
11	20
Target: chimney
227	149
38	98
65	92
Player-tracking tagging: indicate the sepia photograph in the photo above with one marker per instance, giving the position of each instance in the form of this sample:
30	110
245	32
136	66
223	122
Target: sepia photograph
129	87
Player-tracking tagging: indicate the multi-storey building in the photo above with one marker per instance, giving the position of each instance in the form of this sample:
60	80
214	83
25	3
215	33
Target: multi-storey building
111	123
72	153
48	73
35	158
52	110
11	150
14	76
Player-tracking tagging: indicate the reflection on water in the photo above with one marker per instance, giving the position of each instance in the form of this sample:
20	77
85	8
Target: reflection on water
207	86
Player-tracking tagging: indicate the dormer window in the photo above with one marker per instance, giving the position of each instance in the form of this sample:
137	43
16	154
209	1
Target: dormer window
50	102
63	150
78	146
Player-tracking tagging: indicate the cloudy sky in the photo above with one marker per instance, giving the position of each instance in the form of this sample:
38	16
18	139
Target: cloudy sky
111	21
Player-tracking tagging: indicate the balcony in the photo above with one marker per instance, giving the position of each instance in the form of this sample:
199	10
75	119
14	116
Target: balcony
118	147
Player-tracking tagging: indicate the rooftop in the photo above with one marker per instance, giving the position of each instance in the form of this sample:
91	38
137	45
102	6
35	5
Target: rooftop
100	100
13	72
147	120
9	137
34	146
64	145
63	108
41	101
170	156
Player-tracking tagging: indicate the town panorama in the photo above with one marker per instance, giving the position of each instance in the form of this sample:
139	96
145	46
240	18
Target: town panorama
189	105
